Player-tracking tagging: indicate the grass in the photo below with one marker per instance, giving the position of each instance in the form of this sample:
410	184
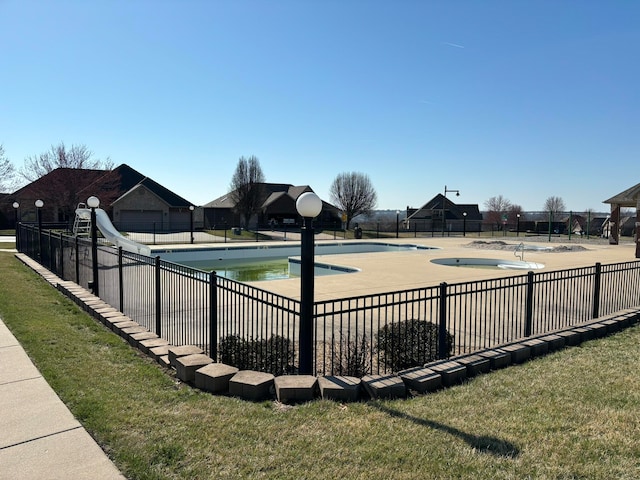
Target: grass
244	234
7	245
572	414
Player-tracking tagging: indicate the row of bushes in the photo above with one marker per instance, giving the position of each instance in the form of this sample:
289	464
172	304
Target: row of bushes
397	346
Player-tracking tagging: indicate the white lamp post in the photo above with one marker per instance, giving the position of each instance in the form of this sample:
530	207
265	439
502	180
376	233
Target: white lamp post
464	224
39	204
16	206
93	202
191	209
309	206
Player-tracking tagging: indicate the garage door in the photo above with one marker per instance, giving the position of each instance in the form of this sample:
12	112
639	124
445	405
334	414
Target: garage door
141	221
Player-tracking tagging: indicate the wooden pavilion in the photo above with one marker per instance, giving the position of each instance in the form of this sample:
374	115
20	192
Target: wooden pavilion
629	198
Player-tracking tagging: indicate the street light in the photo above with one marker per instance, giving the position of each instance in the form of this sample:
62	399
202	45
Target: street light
517	224
446	190
16	206
397	223
309	206
93	203
39	205
464	224
191	208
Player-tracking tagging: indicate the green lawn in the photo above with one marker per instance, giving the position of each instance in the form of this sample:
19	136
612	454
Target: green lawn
572	414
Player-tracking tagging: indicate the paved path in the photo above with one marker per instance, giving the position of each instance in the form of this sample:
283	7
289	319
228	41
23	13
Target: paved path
39	437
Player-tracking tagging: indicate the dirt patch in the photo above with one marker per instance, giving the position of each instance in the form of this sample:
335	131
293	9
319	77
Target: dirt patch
501	245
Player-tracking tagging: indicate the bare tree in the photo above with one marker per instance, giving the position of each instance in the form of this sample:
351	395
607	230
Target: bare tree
554	205
497	207
246	188
514	211
354	194
7	172
62	188
59	156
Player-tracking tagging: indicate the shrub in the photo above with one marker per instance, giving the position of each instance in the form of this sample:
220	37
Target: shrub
410	343
236	351
273	355
352	356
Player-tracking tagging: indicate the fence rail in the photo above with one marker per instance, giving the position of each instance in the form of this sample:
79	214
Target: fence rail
250	327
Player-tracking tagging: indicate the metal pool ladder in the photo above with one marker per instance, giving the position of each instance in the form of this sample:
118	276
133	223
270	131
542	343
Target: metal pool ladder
519	248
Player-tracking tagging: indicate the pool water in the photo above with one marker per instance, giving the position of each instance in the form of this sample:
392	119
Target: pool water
269	262
252	272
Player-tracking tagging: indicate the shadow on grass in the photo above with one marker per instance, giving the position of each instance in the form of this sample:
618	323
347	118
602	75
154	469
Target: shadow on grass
482	443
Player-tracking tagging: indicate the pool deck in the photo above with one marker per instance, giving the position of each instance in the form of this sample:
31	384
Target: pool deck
392	271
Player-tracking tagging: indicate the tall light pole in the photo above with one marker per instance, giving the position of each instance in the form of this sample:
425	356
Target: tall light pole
39	204
464	224
191	208
16	206
309	206
93	202
397	223
444	201
517	224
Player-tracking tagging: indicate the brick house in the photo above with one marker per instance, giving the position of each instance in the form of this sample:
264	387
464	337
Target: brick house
440	214
277	208
132	200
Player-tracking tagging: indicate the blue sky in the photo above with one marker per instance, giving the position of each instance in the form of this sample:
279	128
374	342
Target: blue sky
525	99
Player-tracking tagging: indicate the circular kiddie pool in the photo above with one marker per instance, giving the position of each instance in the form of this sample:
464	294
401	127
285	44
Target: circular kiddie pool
490	263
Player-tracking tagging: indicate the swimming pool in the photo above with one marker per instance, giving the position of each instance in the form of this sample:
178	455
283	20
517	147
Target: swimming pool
271	262
492	263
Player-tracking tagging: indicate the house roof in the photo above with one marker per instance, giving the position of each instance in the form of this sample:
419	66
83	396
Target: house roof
628	198
272	192
132	179
113	184
452	209
57	177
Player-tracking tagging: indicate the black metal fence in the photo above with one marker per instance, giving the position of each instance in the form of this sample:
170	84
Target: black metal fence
250	327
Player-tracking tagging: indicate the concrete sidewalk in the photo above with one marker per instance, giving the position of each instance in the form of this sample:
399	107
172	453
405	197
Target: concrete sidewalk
39	437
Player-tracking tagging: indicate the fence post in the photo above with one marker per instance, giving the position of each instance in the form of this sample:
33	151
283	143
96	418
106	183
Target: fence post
50	251
442	323
77	246
120	280
213	315
158	299
528	328
596	291
61	258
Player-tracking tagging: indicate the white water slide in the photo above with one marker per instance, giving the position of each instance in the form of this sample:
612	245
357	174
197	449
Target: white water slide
109	231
